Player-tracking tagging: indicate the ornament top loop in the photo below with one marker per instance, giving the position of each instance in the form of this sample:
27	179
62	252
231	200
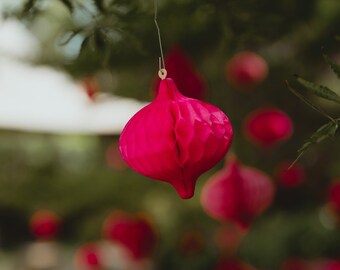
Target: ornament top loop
162	73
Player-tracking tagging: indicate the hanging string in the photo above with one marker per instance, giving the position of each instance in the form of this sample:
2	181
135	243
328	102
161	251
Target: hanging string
162	71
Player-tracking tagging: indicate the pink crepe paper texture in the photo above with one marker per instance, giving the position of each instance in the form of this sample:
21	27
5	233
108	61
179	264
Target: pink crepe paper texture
175	139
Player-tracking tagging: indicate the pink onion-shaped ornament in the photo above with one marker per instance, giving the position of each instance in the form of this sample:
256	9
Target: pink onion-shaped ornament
268	126
175	139
237	193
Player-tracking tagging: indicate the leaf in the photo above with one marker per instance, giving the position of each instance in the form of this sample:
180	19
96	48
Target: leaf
334	66
324	132
310	104
337	38
68	4
319	90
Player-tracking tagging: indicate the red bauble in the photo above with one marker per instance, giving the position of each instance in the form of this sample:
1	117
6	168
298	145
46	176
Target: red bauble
181	70
133	232
237	193
334	197
88	257
268	126
45	224
290	177
246	69
175	139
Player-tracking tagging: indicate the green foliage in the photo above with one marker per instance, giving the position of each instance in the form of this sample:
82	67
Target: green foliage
324	132
305	100
334	66
330	129
319	90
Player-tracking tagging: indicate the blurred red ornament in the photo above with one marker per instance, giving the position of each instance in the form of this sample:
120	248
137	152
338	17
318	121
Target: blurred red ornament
268	126
91	87
133	232
192	242
290	177
246	69
237	193
45	224
181	70
88	257
175	139
334	197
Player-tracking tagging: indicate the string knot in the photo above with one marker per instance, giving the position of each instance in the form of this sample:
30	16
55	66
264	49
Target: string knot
162	73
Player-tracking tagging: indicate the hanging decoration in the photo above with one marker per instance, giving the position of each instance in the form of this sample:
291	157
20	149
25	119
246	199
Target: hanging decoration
245	70
45	224
175	138
88	257
237	193
290	176
135	233
268	126
180	68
